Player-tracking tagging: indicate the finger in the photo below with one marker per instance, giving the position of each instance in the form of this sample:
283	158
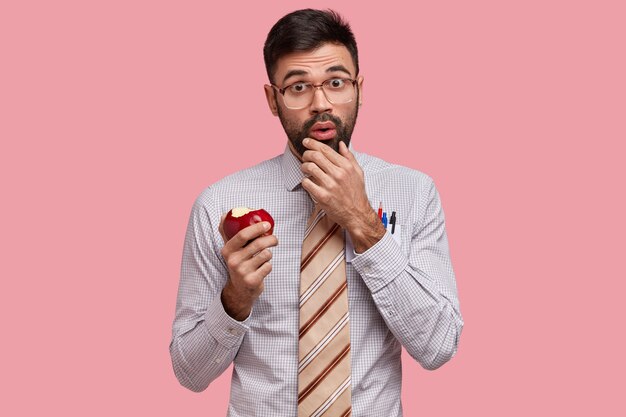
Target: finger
319	159
247	260
261	272
248	233
238	255
249	266
317	193
317	175
330	154
259	244
345	152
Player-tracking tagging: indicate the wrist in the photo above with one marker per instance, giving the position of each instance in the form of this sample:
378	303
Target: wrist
366	231
234	304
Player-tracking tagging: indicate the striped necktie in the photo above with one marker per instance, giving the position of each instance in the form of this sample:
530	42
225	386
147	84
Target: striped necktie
324	387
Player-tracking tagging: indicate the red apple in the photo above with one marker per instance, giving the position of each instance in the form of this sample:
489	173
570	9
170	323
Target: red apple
241	217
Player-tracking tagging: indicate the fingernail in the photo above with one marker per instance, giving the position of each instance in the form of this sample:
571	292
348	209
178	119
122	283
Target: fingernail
266	225
305	142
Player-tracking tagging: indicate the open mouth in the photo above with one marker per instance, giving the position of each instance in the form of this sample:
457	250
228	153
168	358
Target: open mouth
323	131
323	134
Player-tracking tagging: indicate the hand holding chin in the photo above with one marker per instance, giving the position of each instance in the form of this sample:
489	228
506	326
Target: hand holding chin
336	181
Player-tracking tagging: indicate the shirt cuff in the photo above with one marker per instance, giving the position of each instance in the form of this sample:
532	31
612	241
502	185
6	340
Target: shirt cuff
380	264
227	331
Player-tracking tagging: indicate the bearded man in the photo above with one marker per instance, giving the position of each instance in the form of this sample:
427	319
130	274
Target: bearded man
314	316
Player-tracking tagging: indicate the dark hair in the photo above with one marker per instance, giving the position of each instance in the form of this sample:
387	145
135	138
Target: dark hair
305	30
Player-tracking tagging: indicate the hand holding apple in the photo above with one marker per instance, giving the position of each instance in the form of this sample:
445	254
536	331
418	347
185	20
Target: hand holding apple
248	237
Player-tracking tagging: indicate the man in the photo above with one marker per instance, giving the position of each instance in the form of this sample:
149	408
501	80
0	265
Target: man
244	300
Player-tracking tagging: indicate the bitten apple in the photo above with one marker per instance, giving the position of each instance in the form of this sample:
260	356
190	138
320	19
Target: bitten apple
241	217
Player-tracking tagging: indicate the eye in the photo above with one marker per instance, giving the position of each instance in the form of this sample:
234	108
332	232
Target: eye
299	88
336	83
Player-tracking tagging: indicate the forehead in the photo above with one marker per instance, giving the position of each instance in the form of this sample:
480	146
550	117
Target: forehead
315	62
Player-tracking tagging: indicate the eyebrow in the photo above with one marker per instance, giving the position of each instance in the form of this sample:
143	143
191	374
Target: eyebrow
339	68
293	73
334	68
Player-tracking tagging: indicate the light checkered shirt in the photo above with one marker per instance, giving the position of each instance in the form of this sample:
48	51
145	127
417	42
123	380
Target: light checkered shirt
401	292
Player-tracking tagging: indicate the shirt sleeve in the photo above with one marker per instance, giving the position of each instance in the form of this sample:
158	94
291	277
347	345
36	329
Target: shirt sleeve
416	294
205	339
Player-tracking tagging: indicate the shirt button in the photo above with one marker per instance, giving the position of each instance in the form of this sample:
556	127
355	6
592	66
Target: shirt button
233	331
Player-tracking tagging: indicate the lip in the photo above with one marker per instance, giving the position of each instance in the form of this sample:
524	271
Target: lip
323	130
323	125
323	134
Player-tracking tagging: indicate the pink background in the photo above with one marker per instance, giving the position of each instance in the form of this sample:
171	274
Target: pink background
114	115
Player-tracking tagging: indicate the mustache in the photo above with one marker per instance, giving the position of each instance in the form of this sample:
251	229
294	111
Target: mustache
324	117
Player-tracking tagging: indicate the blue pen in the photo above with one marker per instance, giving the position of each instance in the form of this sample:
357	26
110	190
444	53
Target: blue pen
385	219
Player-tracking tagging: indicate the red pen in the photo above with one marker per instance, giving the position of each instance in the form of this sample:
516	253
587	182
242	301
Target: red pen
380	210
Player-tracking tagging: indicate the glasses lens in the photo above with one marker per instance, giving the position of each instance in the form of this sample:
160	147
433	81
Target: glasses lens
298	95
337	91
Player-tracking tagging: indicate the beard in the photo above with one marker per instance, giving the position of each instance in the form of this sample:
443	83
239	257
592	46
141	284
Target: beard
296	134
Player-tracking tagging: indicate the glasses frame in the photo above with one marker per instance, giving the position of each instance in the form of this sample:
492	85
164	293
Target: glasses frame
316	86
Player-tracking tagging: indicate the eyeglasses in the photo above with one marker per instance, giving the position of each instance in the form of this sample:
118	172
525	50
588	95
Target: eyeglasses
300	94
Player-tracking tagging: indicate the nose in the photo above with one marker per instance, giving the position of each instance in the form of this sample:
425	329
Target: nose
320	103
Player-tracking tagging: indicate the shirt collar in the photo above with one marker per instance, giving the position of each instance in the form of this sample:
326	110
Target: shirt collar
292	175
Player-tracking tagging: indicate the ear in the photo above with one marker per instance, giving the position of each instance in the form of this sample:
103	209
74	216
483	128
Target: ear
359	83
270	95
